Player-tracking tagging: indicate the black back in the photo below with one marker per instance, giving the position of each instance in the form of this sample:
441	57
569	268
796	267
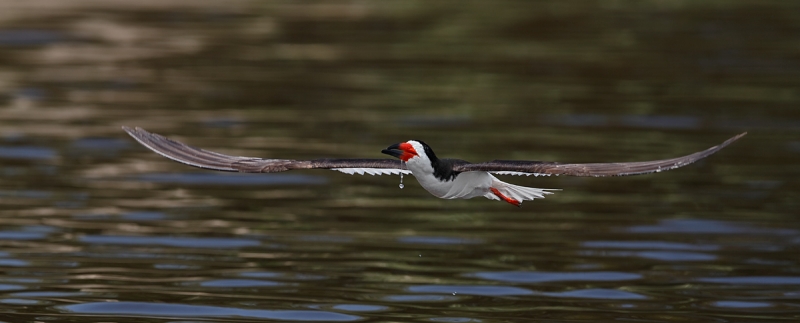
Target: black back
442	168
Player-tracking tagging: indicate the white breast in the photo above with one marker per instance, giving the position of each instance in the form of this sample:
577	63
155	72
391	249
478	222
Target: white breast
466	185
420	166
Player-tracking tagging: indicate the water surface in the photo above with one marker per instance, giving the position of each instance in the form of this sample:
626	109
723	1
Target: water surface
97	228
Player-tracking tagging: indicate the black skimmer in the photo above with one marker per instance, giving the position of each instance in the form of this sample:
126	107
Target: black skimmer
444	178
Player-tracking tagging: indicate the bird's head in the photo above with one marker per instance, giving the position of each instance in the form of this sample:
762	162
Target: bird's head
409	150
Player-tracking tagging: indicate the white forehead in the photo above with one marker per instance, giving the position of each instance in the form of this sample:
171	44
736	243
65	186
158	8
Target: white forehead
417	146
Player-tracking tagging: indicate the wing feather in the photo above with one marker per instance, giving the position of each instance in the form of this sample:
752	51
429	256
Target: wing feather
514	167
202	158
373	171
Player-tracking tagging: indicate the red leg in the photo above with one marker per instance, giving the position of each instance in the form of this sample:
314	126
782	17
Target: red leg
505	198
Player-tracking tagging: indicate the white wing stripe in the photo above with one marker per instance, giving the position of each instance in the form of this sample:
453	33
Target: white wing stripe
373	171
395	171
518	173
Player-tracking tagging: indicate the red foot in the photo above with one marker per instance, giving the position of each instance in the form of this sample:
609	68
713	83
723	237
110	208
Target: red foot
505	198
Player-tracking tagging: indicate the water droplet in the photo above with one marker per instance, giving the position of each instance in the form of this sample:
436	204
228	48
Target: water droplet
401	175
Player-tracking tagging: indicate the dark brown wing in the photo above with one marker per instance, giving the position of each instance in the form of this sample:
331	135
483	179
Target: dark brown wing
202	158
595	169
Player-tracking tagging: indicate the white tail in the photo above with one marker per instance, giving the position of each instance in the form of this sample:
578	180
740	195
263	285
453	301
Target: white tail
516	192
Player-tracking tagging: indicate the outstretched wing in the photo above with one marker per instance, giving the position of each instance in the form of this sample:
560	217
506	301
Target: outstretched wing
202	158
521	167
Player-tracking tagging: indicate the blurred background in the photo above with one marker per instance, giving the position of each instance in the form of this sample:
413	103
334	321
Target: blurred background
95	227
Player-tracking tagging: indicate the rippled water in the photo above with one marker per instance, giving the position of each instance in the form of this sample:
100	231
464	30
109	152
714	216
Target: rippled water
97	228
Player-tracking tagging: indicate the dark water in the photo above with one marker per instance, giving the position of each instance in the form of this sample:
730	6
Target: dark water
94	228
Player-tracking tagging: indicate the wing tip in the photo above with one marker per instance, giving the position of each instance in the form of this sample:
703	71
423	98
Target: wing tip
181	152
127	129
727	142
736	137
136	132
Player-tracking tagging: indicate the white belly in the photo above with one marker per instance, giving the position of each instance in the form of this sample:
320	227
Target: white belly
465	186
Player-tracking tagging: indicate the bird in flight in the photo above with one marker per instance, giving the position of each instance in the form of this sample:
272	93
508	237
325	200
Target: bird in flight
443	177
